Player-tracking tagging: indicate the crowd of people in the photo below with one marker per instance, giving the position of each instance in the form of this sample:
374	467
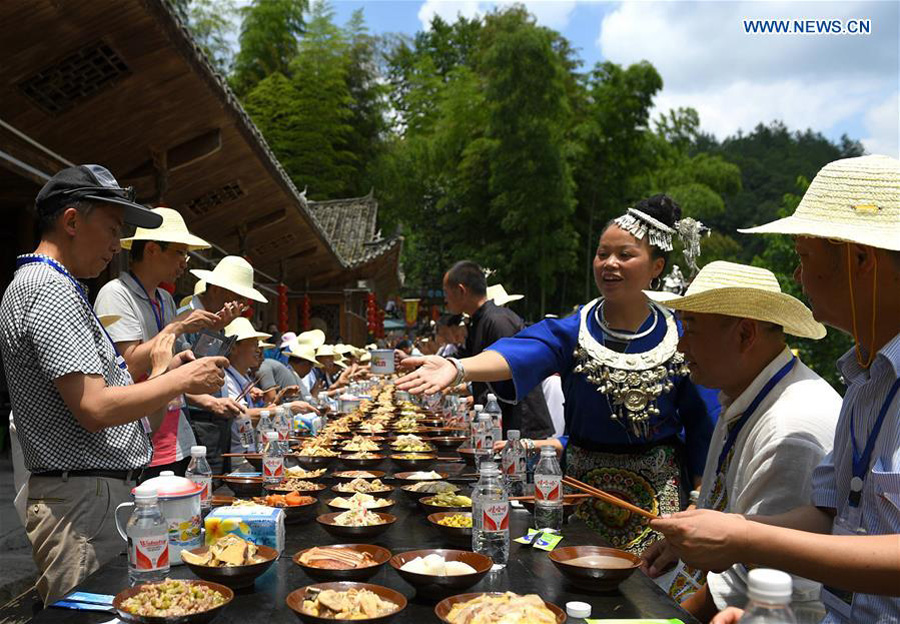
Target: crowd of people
689	404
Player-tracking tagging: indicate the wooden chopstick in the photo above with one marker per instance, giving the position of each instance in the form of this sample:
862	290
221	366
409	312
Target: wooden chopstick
607	498
566	496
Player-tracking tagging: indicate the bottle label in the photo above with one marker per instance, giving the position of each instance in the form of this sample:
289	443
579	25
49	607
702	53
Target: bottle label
547	487
204	482
185	533
245	430
149	553
273	468
496	516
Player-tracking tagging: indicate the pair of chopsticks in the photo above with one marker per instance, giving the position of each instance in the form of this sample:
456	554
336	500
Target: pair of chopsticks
246	390
607	498
566	497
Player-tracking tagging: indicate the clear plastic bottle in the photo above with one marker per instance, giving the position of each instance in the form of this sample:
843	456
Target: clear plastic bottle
490	516
512	460
473	425
492	407
548	491
770	598
245	432
282	423
148	539
199	472
272	459
263	426
484	449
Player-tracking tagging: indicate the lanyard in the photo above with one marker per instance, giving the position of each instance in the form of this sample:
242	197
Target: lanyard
24	260
763	393
861	462
159	306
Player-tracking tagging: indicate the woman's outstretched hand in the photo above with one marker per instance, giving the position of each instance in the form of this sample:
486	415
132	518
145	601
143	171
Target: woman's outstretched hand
433	373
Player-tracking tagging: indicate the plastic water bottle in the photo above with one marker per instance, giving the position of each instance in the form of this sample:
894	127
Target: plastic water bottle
263	426
199	472
272	460
473	425
282	423
245	432
148	539
512	461
490	516
484	449
548	491
492	407
770	598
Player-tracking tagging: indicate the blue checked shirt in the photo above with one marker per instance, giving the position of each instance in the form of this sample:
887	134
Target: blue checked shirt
880	503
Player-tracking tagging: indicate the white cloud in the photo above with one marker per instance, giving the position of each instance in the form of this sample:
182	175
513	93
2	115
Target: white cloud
551	13
883	128
736	80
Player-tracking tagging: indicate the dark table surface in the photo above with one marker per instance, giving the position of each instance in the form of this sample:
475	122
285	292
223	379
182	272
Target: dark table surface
529	571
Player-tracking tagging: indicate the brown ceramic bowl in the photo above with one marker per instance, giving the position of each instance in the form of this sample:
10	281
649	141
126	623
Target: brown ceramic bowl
245	487
193	618
417	496
382	508
457	535
355	533
295	514
277	489
431	586
442	609
570	506
615	567
379	555
467	454
295	602
235	577
447	443
312	462
309	477
404	476
414	464
345	475
357	464
426	504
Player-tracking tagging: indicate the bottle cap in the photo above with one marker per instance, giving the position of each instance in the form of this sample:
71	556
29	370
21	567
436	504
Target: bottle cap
145	492
264	413
271	436
766	585
478	407
487	467
548	450
492	397
197	451
167	473
578	609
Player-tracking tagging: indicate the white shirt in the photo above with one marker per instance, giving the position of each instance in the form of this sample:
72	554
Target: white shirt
775	454
556	403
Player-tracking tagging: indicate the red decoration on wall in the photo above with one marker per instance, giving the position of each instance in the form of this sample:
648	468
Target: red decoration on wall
371	314
282	308
304	313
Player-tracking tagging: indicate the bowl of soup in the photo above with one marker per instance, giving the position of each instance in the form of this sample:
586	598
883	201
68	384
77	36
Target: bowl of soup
594	568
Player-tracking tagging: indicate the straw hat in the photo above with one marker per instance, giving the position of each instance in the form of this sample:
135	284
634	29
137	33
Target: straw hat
344	349
365	358
232	273
199	289
314	338
286	339
266	345
856	200
746	292
498	293
303	352
325	350
172	230
242	329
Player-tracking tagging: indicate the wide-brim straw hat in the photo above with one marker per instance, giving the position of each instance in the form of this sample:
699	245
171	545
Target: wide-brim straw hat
232	273
744	291
286	339
344	349
303	352
314	338
172	230
199	289
365	358
242	329
855	200
326	350
499	295
266	345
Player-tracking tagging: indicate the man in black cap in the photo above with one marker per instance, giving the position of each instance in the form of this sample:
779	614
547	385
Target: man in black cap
82	424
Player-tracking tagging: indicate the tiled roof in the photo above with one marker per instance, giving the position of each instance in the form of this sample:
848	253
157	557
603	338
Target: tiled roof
350	225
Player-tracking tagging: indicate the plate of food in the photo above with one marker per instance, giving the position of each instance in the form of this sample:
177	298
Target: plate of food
231	561
362	459
414	461
301	486
421	475
299	472
367	501
297	507
440	572
329	603
356	523
448	501
594	568
342	562
350	475
456	526
172	601
421	489
493	607
364	486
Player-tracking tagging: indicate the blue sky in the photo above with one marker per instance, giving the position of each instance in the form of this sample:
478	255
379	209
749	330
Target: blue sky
834	84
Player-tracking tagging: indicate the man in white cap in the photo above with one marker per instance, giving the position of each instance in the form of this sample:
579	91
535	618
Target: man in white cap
847	234
302	360
777	420
147	314
79	418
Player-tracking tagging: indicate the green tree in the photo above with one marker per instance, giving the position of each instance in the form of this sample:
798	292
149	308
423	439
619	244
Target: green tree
211	23
268	41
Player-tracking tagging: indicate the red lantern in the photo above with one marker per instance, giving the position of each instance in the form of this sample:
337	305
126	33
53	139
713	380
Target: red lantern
282	308
305	313
371	314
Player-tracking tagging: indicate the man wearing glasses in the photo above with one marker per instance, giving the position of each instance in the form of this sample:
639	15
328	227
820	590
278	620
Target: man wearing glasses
147	316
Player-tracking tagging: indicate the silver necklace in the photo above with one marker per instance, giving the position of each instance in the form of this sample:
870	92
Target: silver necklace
601	321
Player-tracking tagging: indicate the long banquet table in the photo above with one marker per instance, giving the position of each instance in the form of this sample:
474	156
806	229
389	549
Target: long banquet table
529	571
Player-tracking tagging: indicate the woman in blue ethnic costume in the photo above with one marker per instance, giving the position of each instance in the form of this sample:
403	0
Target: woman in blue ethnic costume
637	427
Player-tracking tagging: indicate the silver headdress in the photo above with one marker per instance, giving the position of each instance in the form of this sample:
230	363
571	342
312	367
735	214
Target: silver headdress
641	225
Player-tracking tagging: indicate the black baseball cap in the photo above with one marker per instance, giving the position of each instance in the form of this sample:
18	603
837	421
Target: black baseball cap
93	183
